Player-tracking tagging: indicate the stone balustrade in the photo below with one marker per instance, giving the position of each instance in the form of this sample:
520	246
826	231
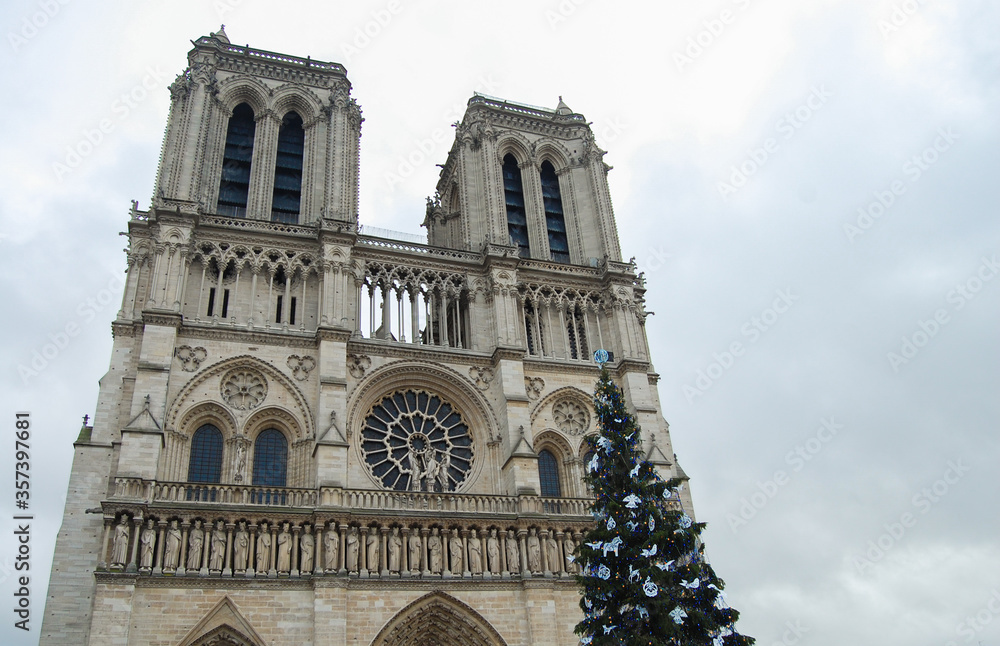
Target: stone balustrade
157	493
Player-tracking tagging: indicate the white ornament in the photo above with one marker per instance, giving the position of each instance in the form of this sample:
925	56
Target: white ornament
635	472
643	613
596	545
613	545
664	566
632	501
685	521
678	615
632	525
593	463
650	552
603	572
690	585
608	629
604	443
652	524
650	588
611	524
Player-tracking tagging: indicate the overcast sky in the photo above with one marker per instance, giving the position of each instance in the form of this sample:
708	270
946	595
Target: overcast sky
811	189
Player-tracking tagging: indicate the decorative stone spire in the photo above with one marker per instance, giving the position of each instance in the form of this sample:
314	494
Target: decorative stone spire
562	109
220	35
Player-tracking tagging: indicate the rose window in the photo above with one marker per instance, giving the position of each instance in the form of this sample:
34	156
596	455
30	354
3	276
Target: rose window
244	389
570	417
416	441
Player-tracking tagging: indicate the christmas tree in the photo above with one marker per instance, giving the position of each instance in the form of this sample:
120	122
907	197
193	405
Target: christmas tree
643	572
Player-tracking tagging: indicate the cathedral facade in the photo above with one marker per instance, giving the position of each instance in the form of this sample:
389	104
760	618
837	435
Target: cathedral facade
315	434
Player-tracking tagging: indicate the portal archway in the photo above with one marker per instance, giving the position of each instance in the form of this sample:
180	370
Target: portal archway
438	619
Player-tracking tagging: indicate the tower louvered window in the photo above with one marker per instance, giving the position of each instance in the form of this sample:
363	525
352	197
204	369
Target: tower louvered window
287	194
548	474
234	186
206	455
555	223
513	192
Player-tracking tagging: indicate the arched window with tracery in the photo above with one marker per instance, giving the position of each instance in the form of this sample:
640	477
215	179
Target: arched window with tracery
270	459
234	186
206	455
548	474
517	219
287	196
555	222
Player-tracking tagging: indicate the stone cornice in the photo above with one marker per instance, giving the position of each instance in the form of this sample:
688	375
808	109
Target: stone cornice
274	337
415	351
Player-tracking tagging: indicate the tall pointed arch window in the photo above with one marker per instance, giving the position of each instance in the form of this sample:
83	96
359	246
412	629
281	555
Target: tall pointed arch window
513	192
555	223
270	459
548	474
206	455
234	186
287	195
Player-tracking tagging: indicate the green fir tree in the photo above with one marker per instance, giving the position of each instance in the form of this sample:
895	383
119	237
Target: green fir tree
643	571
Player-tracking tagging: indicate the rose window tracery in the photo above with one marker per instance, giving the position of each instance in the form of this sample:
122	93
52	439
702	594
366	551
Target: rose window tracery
570	417
244	389
416	441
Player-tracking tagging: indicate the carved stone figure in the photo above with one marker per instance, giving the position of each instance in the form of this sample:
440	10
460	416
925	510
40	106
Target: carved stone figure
240	546
172	548
513	554
307	547
371	545
148	542
534	552
455	549
475	553
568	547
394	549
434	551
553	552
196	539
493	552
241	461
263	548
331	548
445	464
216	560
414	542
119	547
352	549
284	550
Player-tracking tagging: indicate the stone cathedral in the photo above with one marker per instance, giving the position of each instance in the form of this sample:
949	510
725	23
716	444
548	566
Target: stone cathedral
314	434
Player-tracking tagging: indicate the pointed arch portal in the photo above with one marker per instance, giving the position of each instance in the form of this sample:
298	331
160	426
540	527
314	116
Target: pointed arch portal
438	619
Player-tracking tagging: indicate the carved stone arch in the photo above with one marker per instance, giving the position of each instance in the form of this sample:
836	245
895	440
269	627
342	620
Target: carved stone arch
291	97
457	389
207	413
223	625
274	417
438	619
516	144
554	152
183	400
243	89
174	236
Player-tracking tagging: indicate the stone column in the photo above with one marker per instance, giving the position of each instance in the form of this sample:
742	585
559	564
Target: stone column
383	557
319	557
521	534
272	572
424	532
446	563
103	562
182	563
251	551
227	569
543	544
134	549
293	567
158	559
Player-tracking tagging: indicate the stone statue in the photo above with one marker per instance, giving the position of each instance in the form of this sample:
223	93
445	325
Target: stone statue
371	545
218	555
434	551
534	552
196	539
414	471
430	474
148	541
307	546
119	547
475	553
331	548
352	549
554	556
172	549
443	471
395	549
241	461
493	552
240	546
263	549
568	547
513	554
457	551
414	550
284	549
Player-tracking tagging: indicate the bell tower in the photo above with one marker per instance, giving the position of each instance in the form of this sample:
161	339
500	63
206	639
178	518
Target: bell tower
309	434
